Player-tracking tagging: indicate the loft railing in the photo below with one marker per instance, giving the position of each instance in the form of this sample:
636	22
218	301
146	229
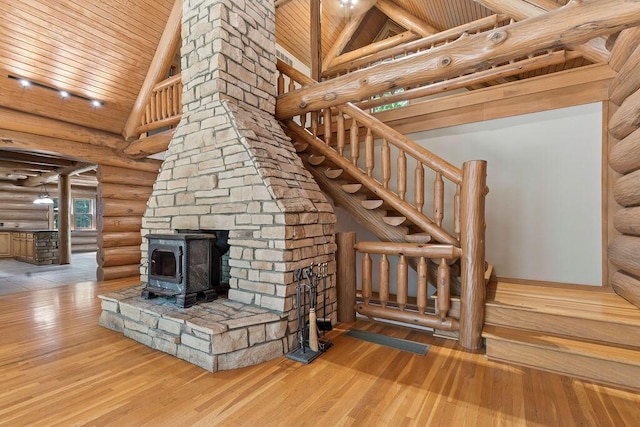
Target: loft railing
355	60
165	106
370	164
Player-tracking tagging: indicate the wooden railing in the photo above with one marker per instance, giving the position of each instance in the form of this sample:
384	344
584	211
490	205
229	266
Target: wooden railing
165	106
355	60
399	309
371	165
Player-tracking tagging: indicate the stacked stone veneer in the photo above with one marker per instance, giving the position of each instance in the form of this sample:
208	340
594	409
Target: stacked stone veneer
215	336
231	167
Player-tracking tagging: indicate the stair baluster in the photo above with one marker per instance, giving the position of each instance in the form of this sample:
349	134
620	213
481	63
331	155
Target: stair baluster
402	175
384	280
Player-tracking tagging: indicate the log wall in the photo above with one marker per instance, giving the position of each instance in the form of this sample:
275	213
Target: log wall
18	211
624	158
122	200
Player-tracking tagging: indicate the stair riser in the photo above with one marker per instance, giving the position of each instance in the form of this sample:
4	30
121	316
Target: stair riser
591	330
555	360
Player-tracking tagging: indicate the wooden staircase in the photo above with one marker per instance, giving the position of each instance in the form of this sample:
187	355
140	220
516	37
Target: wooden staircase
583	333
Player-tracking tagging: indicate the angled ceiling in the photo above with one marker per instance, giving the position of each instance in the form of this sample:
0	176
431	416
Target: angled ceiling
96	49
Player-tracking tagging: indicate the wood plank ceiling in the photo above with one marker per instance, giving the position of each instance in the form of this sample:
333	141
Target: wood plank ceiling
95	49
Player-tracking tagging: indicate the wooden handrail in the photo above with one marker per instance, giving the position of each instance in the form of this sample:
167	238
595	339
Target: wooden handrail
168	82
410	249
346	62
418	218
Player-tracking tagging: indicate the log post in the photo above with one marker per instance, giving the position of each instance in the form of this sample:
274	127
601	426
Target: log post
64	219
346	276
472	240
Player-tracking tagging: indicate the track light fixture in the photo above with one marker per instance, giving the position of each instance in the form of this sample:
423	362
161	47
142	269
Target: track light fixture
25	83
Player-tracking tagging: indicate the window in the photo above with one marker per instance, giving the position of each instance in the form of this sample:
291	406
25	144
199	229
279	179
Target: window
83	214
391	106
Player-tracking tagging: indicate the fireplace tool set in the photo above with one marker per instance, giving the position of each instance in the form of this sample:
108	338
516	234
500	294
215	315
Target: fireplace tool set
311	329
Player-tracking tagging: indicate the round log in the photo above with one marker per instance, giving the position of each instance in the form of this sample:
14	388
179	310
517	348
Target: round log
116	175
625	44
628	79
125	238
624	157
113	207
124	255
627	118
626	190
120	224
627	221
623	253
23	215
124	192
119	272
627	287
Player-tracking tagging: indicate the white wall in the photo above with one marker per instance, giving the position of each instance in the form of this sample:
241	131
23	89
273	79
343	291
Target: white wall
544	217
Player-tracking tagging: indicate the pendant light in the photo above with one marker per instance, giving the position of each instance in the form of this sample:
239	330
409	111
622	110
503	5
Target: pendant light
43	198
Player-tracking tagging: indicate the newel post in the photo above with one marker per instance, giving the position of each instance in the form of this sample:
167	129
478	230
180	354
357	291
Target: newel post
472	241
346	276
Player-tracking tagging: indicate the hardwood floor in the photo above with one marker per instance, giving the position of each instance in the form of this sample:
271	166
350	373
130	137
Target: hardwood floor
58	367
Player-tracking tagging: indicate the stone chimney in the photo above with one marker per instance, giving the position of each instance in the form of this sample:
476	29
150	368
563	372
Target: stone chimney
231	167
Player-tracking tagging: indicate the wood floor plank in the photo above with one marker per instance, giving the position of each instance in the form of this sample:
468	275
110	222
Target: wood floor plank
58	367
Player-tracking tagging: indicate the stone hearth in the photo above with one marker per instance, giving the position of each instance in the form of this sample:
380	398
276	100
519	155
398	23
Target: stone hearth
231	167
218	335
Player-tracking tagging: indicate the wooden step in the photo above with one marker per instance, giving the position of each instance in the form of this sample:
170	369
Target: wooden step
351	188
580	313
394	220
586	360
315	159
333	173
371	204
419	238
300	147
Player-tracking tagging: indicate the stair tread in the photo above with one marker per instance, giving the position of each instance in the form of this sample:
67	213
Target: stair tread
418	238
579	303
562	344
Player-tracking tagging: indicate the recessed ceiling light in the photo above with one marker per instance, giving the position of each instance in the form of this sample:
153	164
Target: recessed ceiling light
64	94
96	103
24	83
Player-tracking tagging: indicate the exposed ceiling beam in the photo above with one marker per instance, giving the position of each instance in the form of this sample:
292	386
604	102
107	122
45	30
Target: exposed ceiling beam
75	169
167	48
153	144
17	166
34	159
83	152
404	18
594	50
572	24
343	39
29	123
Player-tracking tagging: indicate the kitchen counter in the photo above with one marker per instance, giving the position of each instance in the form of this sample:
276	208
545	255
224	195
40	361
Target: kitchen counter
39	247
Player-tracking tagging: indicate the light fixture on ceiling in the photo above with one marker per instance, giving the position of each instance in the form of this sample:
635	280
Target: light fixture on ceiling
348	3
63	93
44	198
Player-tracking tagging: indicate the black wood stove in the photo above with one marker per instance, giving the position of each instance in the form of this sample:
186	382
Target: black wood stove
186	266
